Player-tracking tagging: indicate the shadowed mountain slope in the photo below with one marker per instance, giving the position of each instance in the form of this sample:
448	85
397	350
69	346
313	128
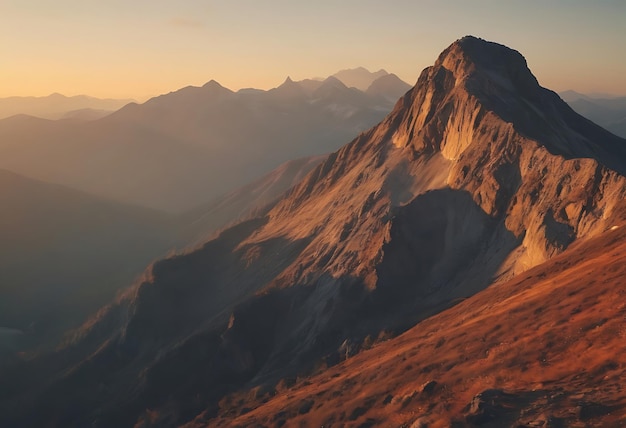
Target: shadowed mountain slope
63	253
478	174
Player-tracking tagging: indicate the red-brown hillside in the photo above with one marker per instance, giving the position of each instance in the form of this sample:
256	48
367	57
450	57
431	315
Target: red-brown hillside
547	348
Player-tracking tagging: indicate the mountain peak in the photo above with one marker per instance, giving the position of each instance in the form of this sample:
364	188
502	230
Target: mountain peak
288	89
213	84
360	77
389	86
289	83
489	78
330	87
212	87
505	67
334	82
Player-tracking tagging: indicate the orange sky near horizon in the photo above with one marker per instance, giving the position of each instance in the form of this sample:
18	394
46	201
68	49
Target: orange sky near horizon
122	49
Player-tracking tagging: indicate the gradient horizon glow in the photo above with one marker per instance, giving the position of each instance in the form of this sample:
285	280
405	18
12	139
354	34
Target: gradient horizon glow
141	48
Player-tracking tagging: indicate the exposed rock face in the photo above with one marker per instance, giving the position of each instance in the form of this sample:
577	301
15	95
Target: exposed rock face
477	122
488	406
544	349
477	174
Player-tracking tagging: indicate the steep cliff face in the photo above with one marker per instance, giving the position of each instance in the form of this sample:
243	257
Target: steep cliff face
476	122
476	175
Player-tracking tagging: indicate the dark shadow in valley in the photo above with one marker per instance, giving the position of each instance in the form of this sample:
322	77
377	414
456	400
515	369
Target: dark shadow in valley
112	370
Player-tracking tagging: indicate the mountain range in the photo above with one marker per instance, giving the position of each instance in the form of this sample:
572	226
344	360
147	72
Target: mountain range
360	77
476	179
207	140
57	106
609	112
67	252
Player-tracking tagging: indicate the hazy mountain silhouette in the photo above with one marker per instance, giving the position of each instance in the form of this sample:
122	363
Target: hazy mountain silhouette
360	77
185	148
476	176
85	114
618	128
610	113
571	95
56	106
388	86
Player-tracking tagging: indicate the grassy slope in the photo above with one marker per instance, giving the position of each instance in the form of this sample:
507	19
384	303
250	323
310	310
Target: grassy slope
553	336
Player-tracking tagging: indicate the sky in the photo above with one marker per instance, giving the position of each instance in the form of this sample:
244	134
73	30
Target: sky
141	48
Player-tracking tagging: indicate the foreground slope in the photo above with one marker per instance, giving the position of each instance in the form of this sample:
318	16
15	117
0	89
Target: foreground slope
544	349
477	175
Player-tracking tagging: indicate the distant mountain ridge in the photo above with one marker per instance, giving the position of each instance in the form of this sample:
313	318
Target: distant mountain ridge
56	106
389	86
360	77
477	175
207	140
608	112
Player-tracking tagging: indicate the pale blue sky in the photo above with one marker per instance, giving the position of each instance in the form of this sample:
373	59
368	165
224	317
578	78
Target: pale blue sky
135	48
